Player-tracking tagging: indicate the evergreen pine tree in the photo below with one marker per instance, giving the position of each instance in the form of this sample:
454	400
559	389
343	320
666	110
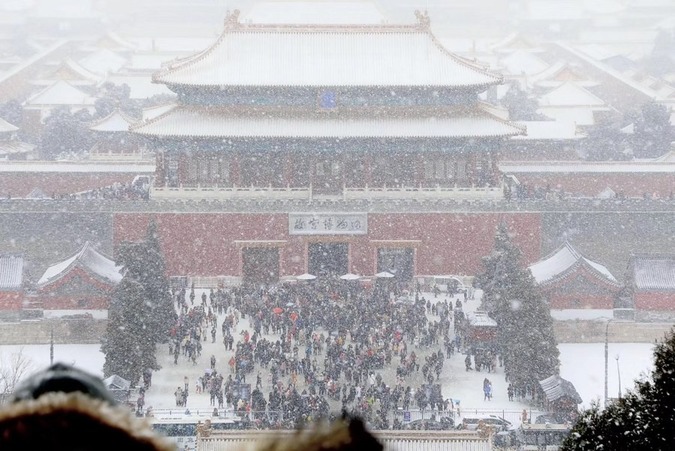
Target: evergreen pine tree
157	286
643	419
524	323
141	311
127	346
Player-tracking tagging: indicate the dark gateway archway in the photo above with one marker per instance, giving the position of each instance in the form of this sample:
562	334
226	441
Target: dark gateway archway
260	265
328	259
398	260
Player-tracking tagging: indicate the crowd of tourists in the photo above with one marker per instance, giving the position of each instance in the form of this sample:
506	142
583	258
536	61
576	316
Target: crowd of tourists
316	349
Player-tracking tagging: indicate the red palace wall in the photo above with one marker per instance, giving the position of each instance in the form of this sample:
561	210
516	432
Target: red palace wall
11	300
55	302
205	244
20	184
580	290
569	301
661	185
654	301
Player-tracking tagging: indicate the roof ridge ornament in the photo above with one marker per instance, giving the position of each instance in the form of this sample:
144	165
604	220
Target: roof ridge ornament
232	20
423	20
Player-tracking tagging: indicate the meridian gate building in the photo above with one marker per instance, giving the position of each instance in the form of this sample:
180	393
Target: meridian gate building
326	149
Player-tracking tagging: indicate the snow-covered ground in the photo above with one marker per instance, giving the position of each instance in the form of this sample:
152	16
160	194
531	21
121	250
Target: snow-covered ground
96	314
583	314
582	364
87	357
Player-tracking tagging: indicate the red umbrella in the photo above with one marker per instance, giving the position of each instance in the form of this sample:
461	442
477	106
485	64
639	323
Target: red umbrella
277	310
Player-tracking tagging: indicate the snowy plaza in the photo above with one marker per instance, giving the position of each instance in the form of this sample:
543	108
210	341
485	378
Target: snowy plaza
581	363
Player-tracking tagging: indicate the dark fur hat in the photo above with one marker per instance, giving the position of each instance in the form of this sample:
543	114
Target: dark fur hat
64	408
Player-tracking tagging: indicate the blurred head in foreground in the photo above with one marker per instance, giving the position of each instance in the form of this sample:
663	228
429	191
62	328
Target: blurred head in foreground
347	434
64	408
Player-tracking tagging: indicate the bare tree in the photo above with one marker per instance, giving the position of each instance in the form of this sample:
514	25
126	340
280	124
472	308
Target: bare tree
12	370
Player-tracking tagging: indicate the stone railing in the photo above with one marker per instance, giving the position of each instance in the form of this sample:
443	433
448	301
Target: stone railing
392	440
308	193
228	192
424	193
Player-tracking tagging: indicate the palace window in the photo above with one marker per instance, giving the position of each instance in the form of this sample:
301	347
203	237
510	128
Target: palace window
332	168
442	169
207	170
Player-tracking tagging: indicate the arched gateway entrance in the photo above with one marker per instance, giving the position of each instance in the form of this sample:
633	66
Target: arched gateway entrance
328	259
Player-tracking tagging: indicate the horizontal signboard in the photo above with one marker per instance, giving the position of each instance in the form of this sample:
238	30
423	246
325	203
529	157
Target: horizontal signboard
327	223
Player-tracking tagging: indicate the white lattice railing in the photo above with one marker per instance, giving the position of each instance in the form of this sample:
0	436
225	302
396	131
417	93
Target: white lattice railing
423	193
231	192
348	193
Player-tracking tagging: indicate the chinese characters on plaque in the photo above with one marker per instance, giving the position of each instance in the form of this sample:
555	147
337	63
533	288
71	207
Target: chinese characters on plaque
327	223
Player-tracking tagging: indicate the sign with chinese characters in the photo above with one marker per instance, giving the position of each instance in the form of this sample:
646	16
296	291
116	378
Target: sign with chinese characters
327	223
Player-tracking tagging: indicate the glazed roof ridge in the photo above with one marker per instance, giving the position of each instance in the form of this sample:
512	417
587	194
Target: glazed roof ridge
213	59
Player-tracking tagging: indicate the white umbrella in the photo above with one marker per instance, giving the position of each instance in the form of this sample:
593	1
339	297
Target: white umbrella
306	276
384	275
350	276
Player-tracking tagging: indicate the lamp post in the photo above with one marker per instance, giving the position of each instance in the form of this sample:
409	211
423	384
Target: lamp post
51	348
618	373
606	356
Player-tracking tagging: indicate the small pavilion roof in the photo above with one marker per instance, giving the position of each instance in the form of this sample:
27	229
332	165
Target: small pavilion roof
184	121
563	261
6	127
560	73
570	94
88	259
15	147
60	93
555	387
11	272
116	121
102	62
73	70
523	62
653	272
326	55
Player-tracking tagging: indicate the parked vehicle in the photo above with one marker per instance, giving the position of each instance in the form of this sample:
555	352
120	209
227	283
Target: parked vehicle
443	424
471	422
531	437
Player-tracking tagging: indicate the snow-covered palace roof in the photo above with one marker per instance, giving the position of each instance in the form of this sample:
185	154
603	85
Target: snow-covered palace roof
192	121
11	272
116	121
563	261
653	272
88	259
326	55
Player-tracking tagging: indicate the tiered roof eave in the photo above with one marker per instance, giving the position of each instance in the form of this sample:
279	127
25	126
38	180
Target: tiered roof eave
189	121
265	55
